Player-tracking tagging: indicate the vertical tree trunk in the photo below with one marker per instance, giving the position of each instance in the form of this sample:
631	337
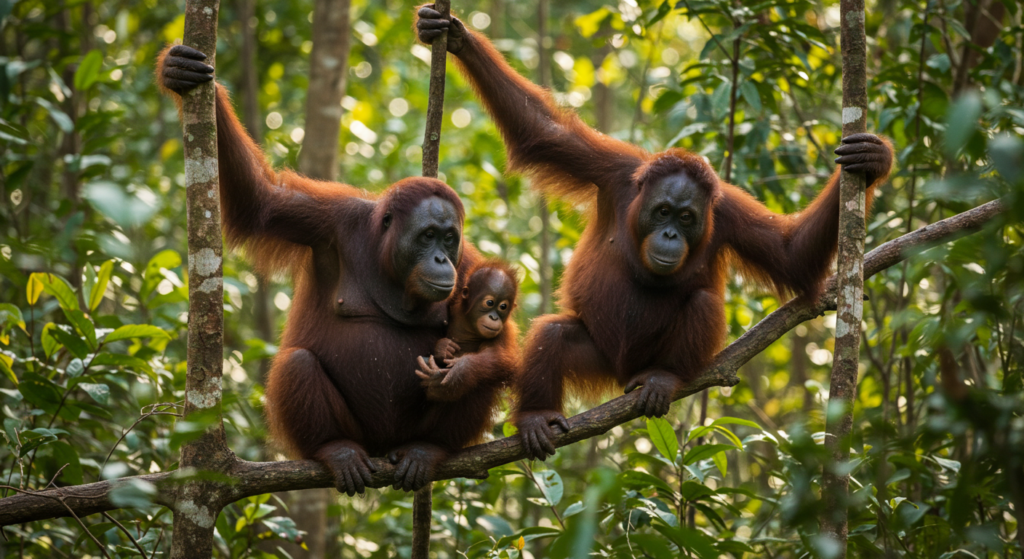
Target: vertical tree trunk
422	502
843	389
251	114
327	70
195	507
545	213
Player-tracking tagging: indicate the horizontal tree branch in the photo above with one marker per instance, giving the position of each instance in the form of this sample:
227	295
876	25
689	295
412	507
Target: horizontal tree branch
254	478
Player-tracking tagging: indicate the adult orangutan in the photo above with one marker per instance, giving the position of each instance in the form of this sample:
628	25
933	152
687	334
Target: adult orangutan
372	274
643	297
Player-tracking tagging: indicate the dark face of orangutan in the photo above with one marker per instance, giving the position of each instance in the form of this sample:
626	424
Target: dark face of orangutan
672	220
427	249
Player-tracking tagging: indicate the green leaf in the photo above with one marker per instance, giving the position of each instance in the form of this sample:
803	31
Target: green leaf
83	326
721	462
130	331
40	392
11	428
102	279
550	485
13	133
98	392
7	367
573	509
508	429
664	437
50	342
641	480
10	316
54	285
33	289
735	421
705	451
66	336
962	121
88	70
75	368
749	92
589	24
64	453
126	210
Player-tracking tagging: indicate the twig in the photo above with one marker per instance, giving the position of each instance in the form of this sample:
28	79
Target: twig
127	533
153	411
533	478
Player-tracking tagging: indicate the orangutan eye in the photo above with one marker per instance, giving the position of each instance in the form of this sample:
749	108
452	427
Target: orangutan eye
687	217
503	306
489	302
663	212
449	239
429	234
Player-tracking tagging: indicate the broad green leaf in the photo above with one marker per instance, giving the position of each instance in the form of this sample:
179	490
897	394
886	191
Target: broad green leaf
11	428
98	392
67	457
705	451
721	462
962	121
130	331
573	509
50	342
75	368
33	289
11	316
83	326
102	279
589	24
642	480
751	95
53	285
88	70
69	339
40	391
664	437
7	367
495	525
508	429
551	485
735	421
11	132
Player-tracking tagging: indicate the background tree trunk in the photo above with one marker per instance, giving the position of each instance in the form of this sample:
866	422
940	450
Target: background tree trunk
850	302
318	159
544	80
249	89
328	67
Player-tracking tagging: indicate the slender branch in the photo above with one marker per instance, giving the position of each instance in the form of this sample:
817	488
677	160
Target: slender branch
127	533
255	478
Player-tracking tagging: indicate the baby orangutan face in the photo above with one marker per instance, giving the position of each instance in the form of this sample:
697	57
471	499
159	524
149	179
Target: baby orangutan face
491	311
493	297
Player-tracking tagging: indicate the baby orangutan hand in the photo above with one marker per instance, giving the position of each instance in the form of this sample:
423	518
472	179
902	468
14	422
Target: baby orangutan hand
442	385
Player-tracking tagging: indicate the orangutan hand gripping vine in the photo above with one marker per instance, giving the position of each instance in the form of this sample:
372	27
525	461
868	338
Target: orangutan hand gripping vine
372	276
643	296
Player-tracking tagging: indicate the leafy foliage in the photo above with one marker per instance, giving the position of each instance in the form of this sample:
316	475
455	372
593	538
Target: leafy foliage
93	289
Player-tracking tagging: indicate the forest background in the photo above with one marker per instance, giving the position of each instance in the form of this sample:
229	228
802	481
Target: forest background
92	191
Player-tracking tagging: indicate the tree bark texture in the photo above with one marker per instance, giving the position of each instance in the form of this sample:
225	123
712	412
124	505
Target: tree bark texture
422	500
850	276
435	101
328	69
194	508
255	478
544	72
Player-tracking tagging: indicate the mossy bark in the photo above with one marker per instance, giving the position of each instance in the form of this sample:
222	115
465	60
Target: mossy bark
850	293
195	503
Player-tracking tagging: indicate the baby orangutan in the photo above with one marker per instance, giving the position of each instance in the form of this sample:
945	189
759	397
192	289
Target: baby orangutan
481	350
